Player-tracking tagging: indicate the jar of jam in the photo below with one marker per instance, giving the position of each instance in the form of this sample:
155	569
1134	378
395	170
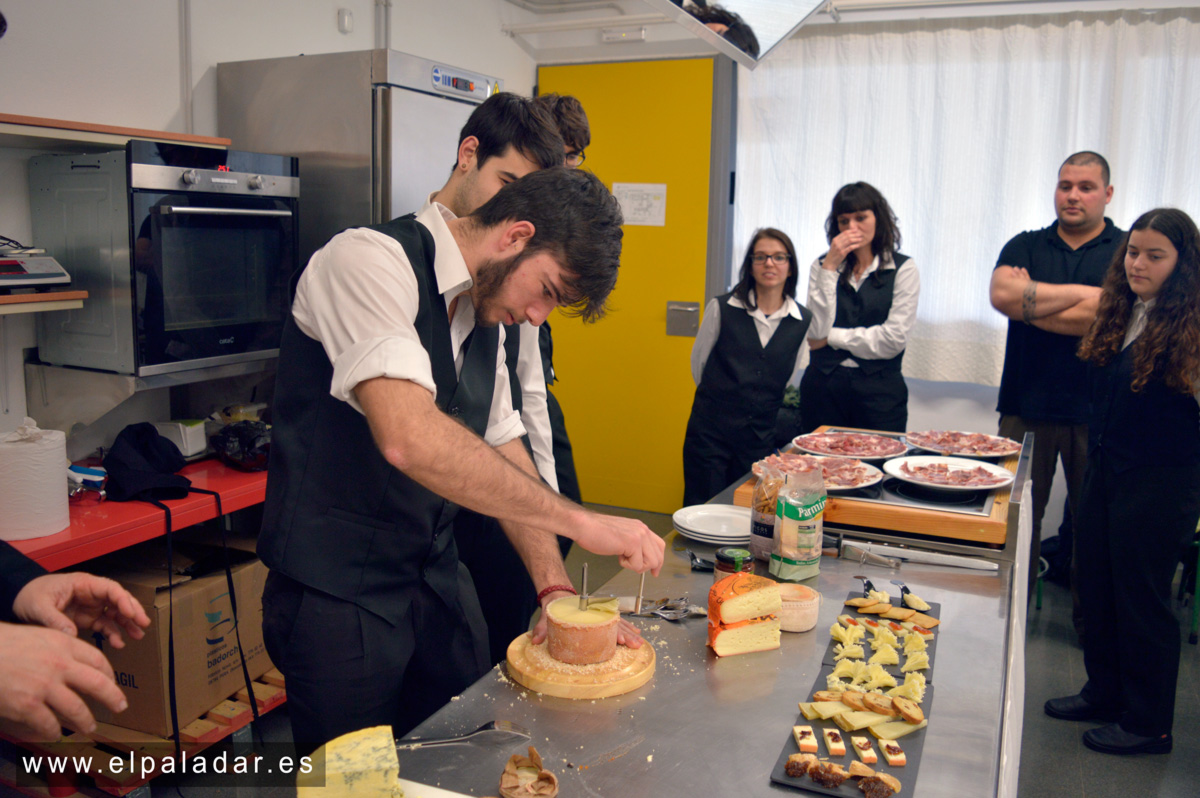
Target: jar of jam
730	560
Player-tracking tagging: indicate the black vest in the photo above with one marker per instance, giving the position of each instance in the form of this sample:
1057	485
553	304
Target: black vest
741	376
867	307
1156	426
338	517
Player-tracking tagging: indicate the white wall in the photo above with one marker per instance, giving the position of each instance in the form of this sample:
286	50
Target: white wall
127	63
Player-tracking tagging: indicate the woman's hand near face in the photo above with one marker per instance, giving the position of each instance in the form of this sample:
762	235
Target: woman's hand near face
841	246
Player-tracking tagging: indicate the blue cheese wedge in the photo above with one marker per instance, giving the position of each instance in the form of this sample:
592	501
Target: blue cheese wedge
361	764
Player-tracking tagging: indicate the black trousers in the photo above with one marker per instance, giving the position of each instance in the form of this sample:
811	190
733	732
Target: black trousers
348	669
564	455
717	450
1130	530
507	595
848	397
1052	441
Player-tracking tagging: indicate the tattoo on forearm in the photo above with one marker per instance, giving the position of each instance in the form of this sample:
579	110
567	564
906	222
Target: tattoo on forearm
1029	302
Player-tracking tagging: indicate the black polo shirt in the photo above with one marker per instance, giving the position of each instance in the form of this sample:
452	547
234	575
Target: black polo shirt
1043	379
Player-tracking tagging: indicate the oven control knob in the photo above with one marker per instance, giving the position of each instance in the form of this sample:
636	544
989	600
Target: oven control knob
257	182
191	177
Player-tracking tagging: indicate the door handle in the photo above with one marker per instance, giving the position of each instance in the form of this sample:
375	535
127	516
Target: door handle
186	210
683	318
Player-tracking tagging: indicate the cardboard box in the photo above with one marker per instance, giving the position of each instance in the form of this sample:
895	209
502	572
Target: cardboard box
207	659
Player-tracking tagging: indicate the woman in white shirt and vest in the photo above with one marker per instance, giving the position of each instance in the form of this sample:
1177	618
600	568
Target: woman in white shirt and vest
863	295
1141	490
746	352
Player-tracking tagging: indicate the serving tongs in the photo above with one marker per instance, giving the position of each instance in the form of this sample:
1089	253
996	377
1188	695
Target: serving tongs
493	731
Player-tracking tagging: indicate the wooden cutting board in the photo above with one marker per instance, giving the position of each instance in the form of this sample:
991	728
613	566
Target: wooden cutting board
615	677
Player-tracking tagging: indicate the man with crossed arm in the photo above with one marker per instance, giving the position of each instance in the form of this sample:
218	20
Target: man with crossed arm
1047	283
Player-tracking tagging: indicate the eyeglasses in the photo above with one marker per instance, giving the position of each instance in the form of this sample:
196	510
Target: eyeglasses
574	159
778	257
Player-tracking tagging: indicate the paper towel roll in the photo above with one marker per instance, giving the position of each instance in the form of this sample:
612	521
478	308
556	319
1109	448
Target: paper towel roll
33	490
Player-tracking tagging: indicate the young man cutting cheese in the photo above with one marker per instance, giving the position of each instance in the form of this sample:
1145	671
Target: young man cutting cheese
392	408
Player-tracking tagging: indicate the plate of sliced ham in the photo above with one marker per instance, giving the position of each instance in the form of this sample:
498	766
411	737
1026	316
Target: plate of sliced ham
948	473
840	473
963	444
860	445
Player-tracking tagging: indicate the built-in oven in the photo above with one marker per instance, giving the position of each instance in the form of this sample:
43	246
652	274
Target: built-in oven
186	253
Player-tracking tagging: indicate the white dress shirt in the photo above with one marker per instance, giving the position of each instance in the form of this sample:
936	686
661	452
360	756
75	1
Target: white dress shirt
535	414
879	342
766	325
359	298
1137	326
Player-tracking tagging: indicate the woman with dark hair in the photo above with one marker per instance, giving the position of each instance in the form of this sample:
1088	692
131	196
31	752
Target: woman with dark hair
863	294
1141	490
746	352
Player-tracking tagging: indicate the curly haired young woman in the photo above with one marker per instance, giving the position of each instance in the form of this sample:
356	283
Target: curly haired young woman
1141	491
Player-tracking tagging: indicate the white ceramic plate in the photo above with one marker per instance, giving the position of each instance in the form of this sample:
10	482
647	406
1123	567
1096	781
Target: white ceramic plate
718	542
1011	447
873	475
870	475
718	524
811	444
893	467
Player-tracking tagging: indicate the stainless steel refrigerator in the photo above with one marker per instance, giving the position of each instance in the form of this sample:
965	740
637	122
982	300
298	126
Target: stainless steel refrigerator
375	130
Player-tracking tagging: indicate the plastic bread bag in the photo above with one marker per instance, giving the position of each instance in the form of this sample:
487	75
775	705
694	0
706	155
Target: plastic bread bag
799	526
762	512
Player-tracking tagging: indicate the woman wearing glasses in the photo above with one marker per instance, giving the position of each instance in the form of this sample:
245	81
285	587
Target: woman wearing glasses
746	352
863	295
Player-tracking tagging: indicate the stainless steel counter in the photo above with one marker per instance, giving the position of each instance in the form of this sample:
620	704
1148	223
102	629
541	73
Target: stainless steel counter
705	726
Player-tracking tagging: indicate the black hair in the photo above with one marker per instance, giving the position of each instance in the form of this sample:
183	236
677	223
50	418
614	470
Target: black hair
860	196
570	118
1169	346
737	33
507	119
746	278
576	220
1086	158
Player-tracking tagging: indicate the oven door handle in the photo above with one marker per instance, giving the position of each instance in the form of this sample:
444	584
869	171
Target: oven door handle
186	210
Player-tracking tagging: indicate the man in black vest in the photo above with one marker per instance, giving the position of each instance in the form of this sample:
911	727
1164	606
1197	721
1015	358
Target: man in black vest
505	137
1047	283
392	408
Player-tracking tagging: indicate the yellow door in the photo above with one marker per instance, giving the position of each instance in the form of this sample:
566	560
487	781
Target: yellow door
625	385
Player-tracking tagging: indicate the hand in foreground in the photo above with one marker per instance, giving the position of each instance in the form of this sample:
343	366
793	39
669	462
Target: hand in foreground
44	673
635	545
73	602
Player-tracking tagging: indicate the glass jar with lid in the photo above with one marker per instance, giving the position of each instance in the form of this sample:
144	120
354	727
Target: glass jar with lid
730	560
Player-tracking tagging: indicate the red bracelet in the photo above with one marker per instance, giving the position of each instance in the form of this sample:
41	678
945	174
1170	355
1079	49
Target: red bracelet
553	589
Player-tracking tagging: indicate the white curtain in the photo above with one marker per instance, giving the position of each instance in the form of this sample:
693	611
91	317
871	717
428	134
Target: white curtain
962	124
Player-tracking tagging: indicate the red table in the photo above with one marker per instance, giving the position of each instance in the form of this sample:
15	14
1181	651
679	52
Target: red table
98	529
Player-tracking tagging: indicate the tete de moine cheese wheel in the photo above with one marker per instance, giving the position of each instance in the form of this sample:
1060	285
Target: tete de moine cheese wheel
581	637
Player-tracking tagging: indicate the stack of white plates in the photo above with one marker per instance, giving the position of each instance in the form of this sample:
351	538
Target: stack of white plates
715	524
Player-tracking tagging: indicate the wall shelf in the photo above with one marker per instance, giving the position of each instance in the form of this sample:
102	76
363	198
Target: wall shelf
41	302
98	529
40	133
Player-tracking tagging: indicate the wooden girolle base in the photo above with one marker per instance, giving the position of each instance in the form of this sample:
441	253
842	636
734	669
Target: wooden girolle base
532	667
